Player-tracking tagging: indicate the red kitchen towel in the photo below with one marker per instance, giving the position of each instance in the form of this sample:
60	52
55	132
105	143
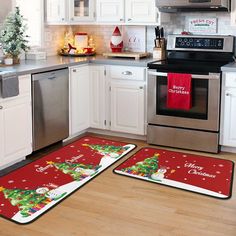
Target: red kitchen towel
179	94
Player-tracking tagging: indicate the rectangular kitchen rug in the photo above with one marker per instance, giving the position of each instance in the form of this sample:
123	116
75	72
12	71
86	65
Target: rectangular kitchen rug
28	192
200	174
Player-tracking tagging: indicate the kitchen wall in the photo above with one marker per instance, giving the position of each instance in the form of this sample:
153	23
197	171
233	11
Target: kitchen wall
178	23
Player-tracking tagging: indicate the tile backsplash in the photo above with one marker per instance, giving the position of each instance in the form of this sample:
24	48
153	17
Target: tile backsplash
102	33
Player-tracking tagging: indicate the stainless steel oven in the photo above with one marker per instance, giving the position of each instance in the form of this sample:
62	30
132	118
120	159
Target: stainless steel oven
198	127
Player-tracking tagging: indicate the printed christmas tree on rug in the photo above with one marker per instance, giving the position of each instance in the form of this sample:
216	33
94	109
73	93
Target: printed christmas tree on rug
144	168
108	150
76	170
28	201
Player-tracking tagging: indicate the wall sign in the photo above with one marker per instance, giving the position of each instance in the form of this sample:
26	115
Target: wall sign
203	25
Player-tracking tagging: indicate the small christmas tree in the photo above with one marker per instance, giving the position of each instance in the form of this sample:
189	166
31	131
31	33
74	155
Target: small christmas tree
28	201
12	36
76	170
145	168
110	150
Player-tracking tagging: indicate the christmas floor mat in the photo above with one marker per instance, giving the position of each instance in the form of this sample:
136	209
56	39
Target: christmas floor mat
27	193
205	175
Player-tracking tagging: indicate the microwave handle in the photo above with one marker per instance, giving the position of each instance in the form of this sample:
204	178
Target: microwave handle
209	76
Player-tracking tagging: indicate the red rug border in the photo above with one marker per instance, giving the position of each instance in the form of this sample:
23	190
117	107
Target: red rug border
133	177
86	136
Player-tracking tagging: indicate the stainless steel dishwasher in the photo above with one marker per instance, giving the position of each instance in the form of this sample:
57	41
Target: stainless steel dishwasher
50	107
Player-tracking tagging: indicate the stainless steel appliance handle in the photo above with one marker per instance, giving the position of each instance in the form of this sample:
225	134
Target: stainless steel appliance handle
209	76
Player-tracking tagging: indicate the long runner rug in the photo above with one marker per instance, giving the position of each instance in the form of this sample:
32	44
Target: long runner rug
205	175
28	192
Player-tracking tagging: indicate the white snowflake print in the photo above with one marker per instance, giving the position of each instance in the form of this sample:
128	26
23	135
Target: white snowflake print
178	167
145	150
72	146
58	158
184	155
185	179
36	165
11	181
221	165
86	140
2	205
166	161
173	157
203	179
23	180
218	172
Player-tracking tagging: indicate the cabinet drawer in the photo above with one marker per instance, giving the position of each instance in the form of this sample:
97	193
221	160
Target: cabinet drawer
230	80
128	73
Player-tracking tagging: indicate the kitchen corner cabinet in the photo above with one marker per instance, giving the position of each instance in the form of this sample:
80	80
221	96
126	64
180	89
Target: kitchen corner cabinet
98	95
69	11
16	125
81	10
228	111
127	88
79	99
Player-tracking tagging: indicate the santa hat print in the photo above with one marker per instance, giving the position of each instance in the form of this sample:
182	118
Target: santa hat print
116	43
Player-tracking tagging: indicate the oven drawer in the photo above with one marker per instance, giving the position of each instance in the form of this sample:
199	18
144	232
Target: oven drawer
128	73
230	80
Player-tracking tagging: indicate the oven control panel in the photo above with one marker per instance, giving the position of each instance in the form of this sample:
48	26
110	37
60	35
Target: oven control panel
199	43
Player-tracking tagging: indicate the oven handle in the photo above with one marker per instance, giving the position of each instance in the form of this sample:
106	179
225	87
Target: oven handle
209	76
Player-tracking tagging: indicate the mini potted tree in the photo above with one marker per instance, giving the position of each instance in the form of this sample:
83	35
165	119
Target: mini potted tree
12	37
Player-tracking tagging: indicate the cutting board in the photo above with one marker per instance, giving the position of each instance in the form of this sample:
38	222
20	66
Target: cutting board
135	55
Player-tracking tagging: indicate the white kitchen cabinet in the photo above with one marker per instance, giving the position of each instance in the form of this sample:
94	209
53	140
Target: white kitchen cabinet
139	11
233	12
16	125
98	95
56	11
110	11
228	111
127	108
81	10
79	99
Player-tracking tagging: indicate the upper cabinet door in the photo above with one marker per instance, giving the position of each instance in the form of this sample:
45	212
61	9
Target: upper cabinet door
110	11
233	13
56	11
81	10
139	11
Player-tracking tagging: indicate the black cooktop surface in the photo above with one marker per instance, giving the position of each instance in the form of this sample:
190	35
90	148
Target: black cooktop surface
192	63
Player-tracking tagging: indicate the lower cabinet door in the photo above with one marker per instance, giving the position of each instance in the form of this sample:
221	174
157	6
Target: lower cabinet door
229	124
79	99
15	130
127	107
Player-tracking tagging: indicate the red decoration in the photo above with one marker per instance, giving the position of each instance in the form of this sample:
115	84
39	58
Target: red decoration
116	43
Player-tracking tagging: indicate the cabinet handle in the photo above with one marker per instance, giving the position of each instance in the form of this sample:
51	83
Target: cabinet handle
228	94
62	19
1	107
140	87
72	18
74	70
129	19
121	19
127	73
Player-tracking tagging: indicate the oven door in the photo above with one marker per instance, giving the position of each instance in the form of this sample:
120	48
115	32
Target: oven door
204	114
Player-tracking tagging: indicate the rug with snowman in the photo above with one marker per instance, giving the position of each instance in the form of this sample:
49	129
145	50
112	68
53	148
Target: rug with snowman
201	174
27	193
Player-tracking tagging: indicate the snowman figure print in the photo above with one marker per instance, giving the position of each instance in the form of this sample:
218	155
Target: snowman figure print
55	194
160	174
87	172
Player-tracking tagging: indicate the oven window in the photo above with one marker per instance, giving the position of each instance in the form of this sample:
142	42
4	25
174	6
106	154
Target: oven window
199	100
